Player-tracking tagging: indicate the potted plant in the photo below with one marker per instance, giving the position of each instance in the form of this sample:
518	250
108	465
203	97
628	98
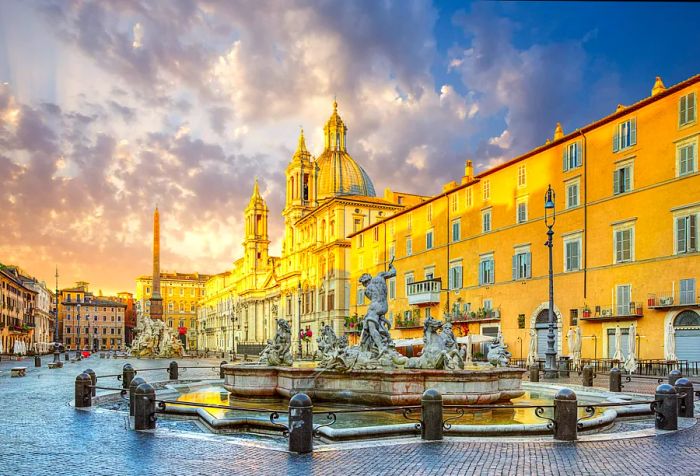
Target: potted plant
639	309
586	311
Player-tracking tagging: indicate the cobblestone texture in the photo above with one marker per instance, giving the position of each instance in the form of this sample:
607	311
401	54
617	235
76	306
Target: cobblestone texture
41	434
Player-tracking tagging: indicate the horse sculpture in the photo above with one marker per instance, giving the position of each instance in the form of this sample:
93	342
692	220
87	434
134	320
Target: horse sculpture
440	348
277	351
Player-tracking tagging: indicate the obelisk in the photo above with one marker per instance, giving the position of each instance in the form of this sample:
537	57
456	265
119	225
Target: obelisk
156	299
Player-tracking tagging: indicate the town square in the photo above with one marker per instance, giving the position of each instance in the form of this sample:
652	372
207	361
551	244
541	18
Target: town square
361	237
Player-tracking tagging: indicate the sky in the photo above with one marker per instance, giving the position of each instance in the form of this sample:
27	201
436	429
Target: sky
109	108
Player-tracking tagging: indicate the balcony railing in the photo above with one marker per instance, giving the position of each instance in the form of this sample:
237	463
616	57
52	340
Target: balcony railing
478	315
630	310
673	299
424	292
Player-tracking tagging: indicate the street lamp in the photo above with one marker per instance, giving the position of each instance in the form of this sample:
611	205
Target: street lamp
77	345
550	367
299	336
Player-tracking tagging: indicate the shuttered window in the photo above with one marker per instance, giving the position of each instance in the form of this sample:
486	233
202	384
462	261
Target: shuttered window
455	276
623	300
687	292
622	179
686	159
572	156
486	270
623	245
686	234
686	109
522	265
625	135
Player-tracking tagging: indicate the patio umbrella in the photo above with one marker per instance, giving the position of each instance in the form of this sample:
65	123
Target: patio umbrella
474	339
577	349
532	348
671	343
631	361
571	341
618	345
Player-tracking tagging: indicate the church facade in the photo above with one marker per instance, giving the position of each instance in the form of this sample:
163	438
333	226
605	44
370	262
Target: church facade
327	199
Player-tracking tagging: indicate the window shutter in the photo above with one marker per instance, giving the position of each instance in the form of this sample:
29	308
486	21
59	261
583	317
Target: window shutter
616	181
492	274
481	273
578	155
458	269
691	107
627	176
692	219
633	133
450	280
515	267
618	246
565	159
616	139
528	263
683	110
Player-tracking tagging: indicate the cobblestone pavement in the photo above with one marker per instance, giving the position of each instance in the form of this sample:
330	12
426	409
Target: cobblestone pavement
41	434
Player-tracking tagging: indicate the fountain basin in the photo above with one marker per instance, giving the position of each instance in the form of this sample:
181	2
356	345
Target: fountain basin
375	387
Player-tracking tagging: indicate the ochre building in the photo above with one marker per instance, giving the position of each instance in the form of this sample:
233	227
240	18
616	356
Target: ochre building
625	239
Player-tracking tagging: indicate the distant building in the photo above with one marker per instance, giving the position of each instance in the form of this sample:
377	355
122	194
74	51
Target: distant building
17	303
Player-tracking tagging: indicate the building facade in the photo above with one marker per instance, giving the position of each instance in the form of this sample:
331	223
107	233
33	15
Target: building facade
625	244
17	303
89	322
327	198
180	293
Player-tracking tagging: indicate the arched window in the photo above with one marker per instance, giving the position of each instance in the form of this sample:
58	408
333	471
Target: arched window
331	265
687	319
322	267
543	317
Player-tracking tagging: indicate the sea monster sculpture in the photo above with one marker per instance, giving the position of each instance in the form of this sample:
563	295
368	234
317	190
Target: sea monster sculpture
277	351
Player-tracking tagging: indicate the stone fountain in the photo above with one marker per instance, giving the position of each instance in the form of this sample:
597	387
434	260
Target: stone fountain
155	339
374	372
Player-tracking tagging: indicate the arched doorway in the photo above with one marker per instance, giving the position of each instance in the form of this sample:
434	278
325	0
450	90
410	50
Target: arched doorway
687	327
542	329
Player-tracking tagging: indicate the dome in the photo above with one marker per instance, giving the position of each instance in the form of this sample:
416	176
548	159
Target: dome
339	174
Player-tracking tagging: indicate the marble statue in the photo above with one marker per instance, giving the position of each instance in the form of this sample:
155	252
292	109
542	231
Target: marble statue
498	354
332	350
440	349
155	339
278	351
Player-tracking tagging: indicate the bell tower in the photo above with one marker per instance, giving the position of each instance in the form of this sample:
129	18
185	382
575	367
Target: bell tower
256	242
302	176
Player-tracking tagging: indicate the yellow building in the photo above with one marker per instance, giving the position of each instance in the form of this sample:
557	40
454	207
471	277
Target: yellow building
327	198
625	244
180	292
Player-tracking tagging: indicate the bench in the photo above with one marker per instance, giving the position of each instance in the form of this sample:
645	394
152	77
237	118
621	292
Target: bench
18	371
55	365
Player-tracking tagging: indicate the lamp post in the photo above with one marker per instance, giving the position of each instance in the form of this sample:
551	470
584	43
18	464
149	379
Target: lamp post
550	365
77	345
56	345
300	349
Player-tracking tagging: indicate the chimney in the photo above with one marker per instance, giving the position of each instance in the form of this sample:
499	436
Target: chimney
469	170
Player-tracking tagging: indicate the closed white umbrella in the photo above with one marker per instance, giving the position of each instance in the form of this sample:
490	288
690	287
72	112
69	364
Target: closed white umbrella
618	345
468	354
15	348
577	349
532	348
571	341
1	349
671	343
631	361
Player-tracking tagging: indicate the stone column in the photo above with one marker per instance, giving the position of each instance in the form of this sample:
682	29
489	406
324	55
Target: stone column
666	407
301	424
431	415
565	415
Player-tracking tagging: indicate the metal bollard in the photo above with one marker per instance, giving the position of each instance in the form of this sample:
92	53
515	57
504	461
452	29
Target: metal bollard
666	407
57	360
83	398
128	374
221	368
686	396
93	380
565	415
172	371
587	376
534	373
301	430
37	361
132	393
615	380
431	415
65	357
674	375
144	407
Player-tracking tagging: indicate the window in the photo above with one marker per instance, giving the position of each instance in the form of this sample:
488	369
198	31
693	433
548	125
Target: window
686	109
522	264
392	288
685	157
408	280
429	240
170	305
687	234
486	221
571	157
625	135
357	224
376	233
486	270
360	296
486	190
409	246
522	178
468	197
624	245
455	276
456	232
376	256
392	249
429	272
572	254
148	290
521	211
429	212
687	293
360	241
624	293
572	194
622	178
454	202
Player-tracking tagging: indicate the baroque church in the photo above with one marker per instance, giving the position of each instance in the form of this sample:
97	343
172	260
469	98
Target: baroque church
327	198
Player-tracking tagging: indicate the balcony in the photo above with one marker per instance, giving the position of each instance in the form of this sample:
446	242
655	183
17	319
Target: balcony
480	315
629	311
424	292
673	299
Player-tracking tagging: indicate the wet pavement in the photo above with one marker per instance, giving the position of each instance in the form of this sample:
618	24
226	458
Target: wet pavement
40	433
